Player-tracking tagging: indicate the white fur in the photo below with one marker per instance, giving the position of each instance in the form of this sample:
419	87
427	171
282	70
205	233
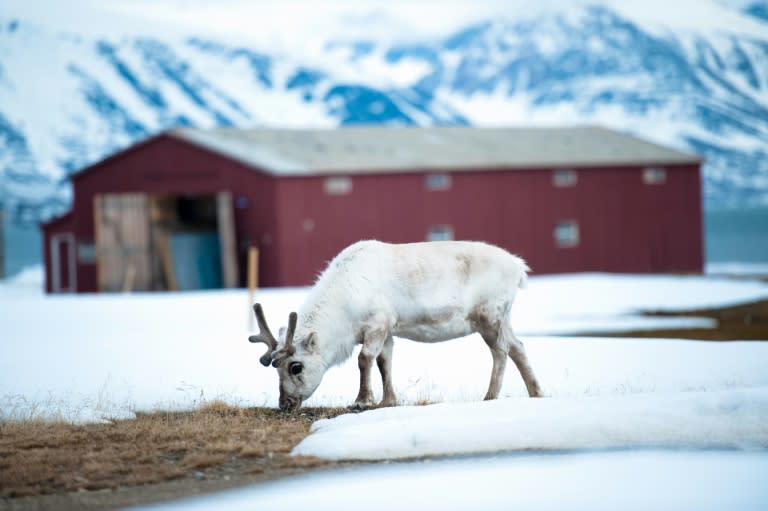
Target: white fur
405	284
427	292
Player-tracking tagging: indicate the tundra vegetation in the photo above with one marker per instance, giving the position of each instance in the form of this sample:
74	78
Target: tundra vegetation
216	445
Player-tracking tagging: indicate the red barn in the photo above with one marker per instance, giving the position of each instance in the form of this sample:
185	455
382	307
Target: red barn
179	210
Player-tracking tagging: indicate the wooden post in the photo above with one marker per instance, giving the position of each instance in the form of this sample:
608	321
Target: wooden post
129	278
226	225
253	281
166	261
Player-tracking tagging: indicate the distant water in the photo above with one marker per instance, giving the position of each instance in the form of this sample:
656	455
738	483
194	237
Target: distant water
731	235
736	235
23	247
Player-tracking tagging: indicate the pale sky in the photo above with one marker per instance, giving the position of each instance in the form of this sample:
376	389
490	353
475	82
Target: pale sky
290	21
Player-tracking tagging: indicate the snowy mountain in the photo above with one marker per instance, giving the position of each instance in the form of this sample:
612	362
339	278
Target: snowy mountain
692	76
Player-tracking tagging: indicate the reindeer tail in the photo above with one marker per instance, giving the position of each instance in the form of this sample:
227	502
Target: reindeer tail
522	280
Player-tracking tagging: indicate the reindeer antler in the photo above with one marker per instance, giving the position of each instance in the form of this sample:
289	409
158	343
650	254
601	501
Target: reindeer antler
288	348
264	335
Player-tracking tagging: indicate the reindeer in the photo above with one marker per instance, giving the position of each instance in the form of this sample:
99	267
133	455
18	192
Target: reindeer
372	291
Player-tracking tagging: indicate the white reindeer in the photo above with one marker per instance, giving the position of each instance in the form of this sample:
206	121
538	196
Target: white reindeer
371	291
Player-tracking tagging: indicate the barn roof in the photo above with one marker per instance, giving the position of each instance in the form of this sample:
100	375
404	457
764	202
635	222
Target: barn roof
401	149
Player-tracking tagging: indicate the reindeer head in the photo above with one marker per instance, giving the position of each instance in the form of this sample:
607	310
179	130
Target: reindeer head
299	367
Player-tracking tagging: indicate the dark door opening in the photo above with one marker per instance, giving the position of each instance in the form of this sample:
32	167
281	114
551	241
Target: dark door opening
165	242
194	240
63	267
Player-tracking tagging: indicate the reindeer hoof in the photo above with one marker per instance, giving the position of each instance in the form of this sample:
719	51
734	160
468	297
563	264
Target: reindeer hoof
359	406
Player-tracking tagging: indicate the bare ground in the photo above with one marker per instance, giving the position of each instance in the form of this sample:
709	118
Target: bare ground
746	322
154	457
168	455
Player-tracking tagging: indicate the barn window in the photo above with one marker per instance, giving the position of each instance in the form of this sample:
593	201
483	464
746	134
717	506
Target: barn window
562	178
437	182
338	185
86	252
440	233
654	175
566	233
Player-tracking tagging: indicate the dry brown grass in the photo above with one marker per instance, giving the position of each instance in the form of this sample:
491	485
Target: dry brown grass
38	458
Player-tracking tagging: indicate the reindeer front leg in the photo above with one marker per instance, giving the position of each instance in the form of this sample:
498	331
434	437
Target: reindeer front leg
384	361
365	395
373	343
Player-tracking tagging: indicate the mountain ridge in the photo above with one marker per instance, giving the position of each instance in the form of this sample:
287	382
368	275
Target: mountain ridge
68	100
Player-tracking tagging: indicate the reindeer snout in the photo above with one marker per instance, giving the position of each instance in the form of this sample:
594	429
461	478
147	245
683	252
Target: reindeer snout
289	404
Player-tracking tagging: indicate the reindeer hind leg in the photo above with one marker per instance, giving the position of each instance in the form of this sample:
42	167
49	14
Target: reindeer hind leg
490	333
520	358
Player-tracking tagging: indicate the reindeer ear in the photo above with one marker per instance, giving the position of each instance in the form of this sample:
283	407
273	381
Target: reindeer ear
310	343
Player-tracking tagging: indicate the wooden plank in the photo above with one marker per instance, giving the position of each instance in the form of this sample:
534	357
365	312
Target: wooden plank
162	217
166	262
129	278
102	242
140	237
225	219
123	248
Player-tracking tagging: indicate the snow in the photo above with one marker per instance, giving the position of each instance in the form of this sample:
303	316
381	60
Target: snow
734	269
65	132
556	305
722	419
245	151
30	278
401	19
690	16
611	403
102	356
679	480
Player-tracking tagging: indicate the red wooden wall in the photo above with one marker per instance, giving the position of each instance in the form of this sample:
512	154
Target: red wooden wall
625	225
166	165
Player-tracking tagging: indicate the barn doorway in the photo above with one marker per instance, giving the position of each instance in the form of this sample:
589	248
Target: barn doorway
165	242
63	268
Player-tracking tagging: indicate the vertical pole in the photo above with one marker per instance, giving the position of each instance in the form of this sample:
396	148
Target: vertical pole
226	226
129	278
253	280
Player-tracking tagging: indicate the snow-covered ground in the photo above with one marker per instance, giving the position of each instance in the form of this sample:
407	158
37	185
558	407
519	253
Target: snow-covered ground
731	419
737	269
626	480
89	357
85	357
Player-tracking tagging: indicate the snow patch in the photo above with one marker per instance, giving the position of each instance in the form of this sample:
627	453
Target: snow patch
116	353
631	481
735	269
724	419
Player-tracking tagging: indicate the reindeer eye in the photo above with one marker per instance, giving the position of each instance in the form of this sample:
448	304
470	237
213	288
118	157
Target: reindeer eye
295	367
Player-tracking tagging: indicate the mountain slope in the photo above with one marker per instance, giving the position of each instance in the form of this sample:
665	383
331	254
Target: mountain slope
67	100
705	94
